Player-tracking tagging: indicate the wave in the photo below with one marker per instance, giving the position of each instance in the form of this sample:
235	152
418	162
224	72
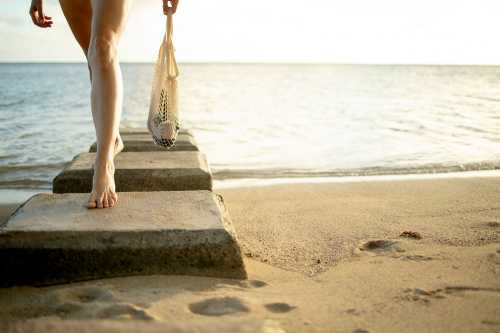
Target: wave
10	168
271	173
11	104
484	98
25	184
224	174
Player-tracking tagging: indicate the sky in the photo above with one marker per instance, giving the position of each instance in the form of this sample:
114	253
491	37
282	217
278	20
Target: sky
290	31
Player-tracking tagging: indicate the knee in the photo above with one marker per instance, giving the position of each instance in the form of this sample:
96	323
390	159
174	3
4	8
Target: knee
102	53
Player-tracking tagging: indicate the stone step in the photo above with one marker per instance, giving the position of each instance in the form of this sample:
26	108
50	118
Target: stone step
140	171
54	238
145	131
134	142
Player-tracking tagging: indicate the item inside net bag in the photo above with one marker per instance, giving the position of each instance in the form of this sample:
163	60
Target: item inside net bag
163	119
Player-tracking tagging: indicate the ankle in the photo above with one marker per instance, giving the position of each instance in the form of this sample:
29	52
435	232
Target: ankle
104	163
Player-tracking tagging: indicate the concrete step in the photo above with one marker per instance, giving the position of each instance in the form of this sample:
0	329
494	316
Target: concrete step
140	171
137	141
145	131
54	238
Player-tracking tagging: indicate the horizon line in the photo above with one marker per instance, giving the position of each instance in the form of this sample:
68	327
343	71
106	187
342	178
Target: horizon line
265	63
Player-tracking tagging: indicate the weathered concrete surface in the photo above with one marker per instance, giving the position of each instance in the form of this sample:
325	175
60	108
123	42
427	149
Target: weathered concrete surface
140	171
54	238
128	130
134	142
144	131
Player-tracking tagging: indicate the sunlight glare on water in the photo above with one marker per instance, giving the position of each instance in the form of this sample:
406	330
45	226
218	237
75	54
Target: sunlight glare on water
267	121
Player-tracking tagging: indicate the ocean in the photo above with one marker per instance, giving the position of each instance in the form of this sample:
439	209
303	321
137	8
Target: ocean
266	121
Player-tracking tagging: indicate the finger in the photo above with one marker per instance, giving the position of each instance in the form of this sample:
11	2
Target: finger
166	7
45	24
175	3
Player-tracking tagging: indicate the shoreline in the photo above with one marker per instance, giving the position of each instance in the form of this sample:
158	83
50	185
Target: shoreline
256	182
16	196
234	177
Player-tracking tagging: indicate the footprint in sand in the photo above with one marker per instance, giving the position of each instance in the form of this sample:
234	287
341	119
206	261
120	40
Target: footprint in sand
72	302
241	285
425	296
71	310
68	309
91	302
81	295
381	245
487	225
411	234
494	258
123	311
422	295
417	257
354	312
461	289
279	307
253	284
219	306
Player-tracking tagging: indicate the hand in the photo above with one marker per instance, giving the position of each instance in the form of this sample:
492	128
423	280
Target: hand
173	5
36	13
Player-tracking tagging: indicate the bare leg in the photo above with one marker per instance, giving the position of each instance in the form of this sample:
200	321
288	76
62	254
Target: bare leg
78	13
108	21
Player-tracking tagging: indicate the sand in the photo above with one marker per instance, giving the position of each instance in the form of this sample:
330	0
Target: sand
398	256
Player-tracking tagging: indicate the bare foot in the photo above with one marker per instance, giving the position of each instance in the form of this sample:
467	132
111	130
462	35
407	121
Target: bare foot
103	193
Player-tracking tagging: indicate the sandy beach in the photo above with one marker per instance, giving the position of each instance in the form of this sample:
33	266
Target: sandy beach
391	256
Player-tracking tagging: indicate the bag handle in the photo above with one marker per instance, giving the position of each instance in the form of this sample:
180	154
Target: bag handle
172	69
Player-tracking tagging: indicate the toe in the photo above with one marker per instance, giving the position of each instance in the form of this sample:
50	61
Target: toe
114	196
111	201
91	203
100	202
105	202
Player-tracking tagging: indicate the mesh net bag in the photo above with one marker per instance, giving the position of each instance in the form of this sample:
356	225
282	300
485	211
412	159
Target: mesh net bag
163	120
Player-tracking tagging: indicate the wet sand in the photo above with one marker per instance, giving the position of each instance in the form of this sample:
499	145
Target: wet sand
398	256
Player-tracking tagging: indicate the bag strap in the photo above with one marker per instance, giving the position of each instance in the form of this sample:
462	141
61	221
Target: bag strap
172	69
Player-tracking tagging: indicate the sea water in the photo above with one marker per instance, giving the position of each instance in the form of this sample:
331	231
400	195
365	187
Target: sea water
266	121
